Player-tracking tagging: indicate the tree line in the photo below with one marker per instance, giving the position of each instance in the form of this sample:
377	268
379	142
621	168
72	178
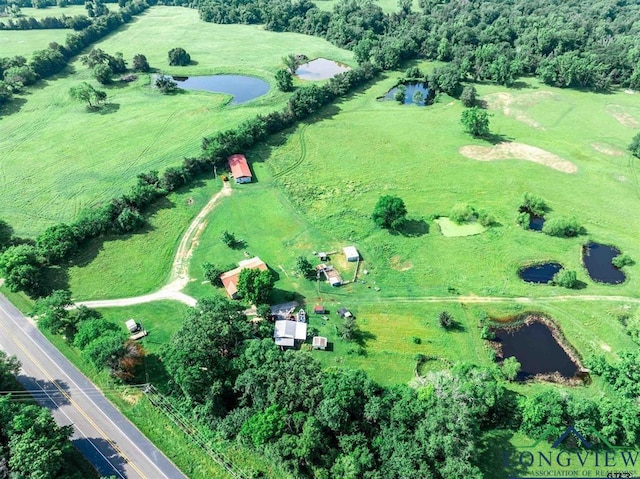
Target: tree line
566	44
77	22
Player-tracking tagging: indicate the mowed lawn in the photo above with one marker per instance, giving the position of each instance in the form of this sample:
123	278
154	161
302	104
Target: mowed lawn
65	158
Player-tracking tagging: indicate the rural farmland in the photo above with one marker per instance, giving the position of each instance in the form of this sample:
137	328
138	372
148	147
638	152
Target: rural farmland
440	233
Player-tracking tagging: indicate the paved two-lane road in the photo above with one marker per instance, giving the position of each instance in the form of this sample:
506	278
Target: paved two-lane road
109	440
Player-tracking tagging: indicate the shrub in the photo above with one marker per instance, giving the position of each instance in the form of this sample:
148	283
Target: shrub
140	63
228	238
413	73
468	96
445	319
565	278
564	227
165	84
284	80
476	121
179	57
418	97
486	219
634	147
510	368
524	219
487	333
399	95
103	73
416	340
212	273
533	204
461	213
622	260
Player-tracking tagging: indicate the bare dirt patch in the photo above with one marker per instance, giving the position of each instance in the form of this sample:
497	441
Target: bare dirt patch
398	265
607	149
623	117
514	105
518	151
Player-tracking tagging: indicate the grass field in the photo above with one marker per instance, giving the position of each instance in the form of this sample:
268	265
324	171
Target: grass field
25	42
69	11
311	200
146	130
114	267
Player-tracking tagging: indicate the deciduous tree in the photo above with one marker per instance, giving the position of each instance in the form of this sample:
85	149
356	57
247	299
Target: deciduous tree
255	286
390	212
476	121
284	80
179	57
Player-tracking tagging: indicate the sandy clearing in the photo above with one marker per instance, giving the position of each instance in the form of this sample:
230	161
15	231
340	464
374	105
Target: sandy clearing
607	149
518	151
513	105
623	117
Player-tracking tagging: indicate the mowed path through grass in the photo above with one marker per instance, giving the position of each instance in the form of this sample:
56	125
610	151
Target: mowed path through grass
65	158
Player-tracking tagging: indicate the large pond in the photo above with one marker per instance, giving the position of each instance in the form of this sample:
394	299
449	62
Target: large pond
410	89
535	348
597	259
539	273
241	88
320	69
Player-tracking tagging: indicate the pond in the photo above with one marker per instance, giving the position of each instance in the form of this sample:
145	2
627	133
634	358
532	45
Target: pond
242	88
541	273
535	348
320	69
410	89
597	259
536	223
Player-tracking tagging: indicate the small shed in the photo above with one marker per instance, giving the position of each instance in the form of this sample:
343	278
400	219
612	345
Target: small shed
344	313
351	253
240	168
132	326
319	309
287	332
319	342
322	256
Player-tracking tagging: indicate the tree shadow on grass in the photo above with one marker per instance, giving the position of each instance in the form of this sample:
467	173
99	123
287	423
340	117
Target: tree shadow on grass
105	109
279	296
361	338
494	446
13	106
495	138
413	227
54	278
456	327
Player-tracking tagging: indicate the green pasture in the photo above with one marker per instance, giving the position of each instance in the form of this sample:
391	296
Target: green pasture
69	11
335	169
25	42
66	158
131	265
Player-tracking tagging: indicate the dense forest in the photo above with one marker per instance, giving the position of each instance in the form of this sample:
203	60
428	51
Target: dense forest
571	43
31	444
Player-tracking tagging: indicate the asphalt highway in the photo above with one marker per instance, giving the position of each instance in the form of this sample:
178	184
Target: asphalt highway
101	433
